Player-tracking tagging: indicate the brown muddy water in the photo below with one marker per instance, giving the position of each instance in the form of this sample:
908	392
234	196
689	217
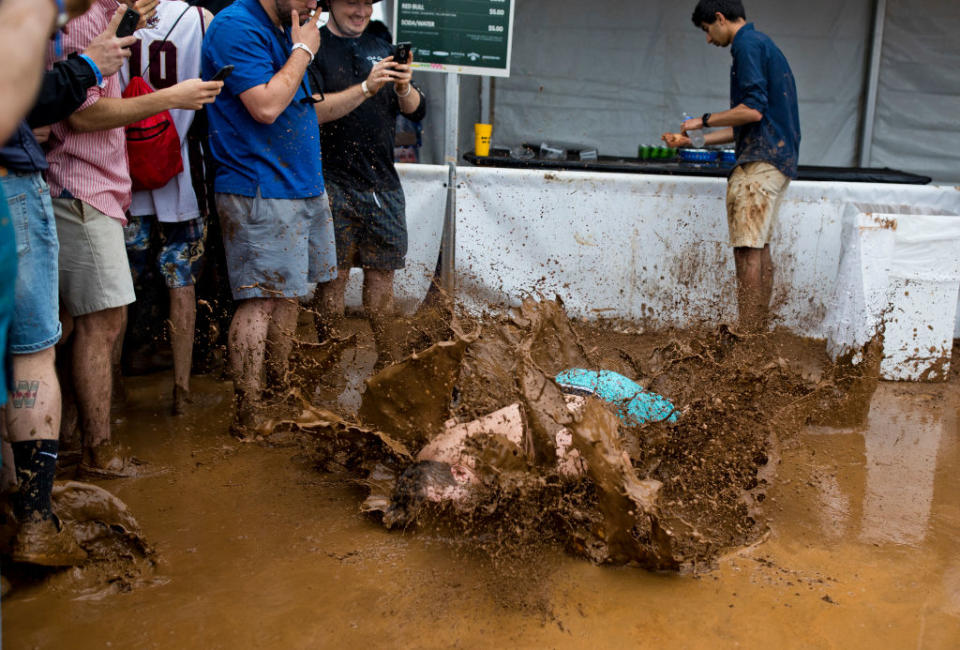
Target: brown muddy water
256	549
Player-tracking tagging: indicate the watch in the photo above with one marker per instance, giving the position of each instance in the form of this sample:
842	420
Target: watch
705	119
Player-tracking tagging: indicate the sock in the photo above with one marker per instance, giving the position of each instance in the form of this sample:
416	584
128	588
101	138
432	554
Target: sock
36	462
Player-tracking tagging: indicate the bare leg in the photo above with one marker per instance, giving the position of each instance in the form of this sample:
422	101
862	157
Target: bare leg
750	288
378	304
38	417
766	279
183	318
280	335
94	338
329	303
248	340
119	395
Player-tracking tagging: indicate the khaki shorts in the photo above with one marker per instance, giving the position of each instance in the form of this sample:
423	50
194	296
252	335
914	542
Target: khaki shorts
94	272
754	192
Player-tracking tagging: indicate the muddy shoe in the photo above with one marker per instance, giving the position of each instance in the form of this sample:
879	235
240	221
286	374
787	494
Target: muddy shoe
46	542
181	400
109	462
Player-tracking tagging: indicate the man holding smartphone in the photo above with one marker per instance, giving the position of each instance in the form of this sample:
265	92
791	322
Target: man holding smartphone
274	214
166	229
364	91
91	188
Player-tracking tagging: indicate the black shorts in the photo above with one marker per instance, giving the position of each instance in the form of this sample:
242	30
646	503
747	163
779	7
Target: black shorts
371	227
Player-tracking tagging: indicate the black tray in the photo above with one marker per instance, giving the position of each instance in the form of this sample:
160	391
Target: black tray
680	168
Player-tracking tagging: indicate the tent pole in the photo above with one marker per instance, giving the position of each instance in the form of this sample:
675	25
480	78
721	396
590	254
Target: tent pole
873	82
486	108
451	118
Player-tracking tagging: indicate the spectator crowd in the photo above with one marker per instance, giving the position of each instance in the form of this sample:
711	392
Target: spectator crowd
156	141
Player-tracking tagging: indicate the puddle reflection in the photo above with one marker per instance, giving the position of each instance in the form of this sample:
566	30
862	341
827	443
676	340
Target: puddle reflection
884	492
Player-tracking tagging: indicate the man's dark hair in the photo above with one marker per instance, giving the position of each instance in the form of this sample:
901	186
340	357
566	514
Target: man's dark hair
707	10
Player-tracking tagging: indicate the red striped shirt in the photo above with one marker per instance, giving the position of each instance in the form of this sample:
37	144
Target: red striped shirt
93	166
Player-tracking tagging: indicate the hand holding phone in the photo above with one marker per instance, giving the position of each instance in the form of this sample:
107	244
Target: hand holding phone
222	73
401	53
128	24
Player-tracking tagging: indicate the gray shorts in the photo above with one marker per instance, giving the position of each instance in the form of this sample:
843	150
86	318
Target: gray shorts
94	271
276	248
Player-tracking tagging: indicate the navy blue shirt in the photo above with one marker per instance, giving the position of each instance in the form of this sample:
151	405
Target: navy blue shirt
761	79
359	145
282	159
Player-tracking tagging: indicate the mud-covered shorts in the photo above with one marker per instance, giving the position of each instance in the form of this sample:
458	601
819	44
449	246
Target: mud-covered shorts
276	248
176	248
754	193
371	227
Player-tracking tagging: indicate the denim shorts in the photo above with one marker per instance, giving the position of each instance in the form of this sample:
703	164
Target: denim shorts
8	273
276	248
371	228
36	321
175	248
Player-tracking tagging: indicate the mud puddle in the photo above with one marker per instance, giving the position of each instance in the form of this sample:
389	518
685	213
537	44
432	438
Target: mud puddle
258	549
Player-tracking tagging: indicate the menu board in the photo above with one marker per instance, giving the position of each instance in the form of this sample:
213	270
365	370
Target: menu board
462	36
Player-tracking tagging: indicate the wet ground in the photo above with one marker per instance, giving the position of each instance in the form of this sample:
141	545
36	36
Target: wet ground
258	550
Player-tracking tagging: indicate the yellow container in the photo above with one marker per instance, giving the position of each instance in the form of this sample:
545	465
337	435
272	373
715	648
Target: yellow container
483	133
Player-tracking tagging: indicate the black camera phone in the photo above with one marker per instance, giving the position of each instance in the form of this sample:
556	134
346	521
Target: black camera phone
222	73
128	24
401	53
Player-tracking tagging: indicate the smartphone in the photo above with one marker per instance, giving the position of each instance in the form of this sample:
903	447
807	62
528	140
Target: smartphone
128	24
222	73
401	53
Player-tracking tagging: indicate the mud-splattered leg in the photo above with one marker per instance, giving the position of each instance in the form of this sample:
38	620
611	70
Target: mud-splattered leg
378	305
280	335
328	302
752	292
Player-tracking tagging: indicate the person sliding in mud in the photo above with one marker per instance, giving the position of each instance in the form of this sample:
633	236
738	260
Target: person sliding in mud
764	123
276	223
365	90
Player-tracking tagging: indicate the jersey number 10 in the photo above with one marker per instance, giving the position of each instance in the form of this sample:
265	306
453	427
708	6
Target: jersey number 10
163	63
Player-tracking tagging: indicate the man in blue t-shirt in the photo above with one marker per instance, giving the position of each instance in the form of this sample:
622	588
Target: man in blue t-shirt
277	229
763	121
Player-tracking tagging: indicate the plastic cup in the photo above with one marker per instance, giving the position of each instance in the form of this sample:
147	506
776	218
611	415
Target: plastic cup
482	142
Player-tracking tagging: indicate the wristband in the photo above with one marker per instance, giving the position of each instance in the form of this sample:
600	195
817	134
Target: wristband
365	89
304	47
705	119
96	70
409	90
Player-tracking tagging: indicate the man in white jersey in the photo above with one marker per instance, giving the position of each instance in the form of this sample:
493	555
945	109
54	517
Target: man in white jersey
166	226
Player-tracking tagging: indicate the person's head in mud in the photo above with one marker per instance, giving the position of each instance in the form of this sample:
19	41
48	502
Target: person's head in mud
720	19
349	18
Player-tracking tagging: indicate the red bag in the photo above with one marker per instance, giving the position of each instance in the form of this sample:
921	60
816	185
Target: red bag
153	144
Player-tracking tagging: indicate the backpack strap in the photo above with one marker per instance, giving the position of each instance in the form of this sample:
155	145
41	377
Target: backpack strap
203	22
177	22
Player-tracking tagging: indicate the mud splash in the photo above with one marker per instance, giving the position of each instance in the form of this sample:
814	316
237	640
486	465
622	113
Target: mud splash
663	495
118	556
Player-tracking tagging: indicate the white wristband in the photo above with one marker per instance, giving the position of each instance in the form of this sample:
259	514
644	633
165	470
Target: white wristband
304	47
409	90
365	89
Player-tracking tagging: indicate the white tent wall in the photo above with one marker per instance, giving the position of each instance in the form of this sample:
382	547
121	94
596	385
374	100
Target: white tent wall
917	127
